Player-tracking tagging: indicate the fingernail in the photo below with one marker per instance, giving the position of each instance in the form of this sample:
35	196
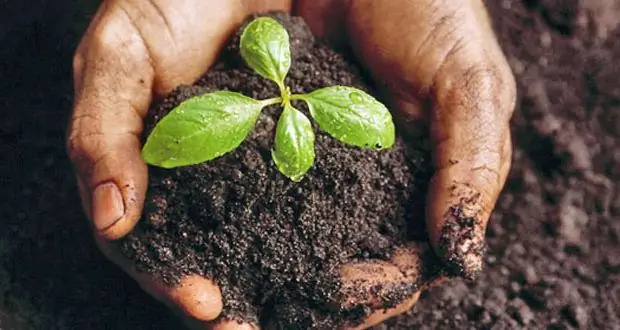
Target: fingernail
107	206
462	245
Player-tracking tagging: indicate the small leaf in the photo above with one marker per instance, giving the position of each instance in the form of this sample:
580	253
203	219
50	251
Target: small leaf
265	48
294	145
352	116
201	128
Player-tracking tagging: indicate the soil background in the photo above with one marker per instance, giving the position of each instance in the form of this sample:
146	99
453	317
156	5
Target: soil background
554	240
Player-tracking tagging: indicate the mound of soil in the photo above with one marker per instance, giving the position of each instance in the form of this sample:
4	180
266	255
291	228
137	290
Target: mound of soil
274	246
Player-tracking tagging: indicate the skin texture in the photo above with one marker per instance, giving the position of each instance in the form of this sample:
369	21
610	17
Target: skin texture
443	68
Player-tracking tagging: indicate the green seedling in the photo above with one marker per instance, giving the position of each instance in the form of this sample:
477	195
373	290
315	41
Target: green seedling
208	126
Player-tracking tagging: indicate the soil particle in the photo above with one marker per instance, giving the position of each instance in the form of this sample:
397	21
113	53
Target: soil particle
529	275
276	247
571	221
505	323
496	302
577	315
520	311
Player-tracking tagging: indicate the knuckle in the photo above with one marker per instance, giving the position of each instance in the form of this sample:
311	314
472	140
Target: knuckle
494	83
82	147
489	176
109	36
484	161
484	88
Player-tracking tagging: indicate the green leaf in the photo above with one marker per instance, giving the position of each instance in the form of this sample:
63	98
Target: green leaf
294	145
265	48
201	128
352	116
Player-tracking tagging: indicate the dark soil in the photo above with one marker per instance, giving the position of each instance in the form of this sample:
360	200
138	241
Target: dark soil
552	261
268	242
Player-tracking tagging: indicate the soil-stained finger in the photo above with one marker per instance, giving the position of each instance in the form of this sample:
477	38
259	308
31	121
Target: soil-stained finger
383	289
382	315
378	283
374	284
448	55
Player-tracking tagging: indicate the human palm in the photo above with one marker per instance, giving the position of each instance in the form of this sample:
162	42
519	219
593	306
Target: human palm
437	63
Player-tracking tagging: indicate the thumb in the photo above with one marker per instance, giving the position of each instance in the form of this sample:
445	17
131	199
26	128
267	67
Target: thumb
113	82
469	126
130	50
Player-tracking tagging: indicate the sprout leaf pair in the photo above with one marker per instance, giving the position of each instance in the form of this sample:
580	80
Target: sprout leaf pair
208	126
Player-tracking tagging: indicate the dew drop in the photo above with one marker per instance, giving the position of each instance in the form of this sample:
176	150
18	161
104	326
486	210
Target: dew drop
356	98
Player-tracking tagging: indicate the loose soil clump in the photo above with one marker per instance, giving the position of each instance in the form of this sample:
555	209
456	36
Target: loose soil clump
275	247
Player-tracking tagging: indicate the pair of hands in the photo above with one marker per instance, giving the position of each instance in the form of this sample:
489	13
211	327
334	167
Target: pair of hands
437	61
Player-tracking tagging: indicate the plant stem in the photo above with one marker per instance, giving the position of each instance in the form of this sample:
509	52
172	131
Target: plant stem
297	97
274	100
286	95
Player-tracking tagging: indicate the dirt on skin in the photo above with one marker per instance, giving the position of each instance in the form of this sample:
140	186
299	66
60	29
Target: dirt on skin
552	260
275	247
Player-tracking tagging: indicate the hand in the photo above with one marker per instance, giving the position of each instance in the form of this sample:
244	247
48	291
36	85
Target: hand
445	53
131	51
440	65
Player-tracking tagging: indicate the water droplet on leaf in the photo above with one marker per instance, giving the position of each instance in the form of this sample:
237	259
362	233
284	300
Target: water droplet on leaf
356	98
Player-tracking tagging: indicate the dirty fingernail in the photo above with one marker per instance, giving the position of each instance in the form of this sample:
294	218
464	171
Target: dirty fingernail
107	206
462	244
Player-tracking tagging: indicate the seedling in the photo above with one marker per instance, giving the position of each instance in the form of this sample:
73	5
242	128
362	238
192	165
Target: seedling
208	126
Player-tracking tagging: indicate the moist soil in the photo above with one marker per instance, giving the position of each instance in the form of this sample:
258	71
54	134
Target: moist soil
553	242
274	246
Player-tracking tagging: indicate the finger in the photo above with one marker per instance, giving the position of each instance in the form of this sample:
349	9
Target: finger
387	288
470	175
130	50
374	284
103	140
195	297
469	128
449	54
382	315
380	287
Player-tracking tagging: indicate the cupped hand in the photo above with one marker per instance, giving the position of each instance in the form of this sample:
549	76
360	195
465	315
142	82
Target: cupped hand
437	61
132	51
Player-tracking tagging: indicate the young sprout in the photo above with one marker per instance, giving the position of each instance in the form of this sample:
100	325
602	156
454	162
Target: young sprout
208	126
